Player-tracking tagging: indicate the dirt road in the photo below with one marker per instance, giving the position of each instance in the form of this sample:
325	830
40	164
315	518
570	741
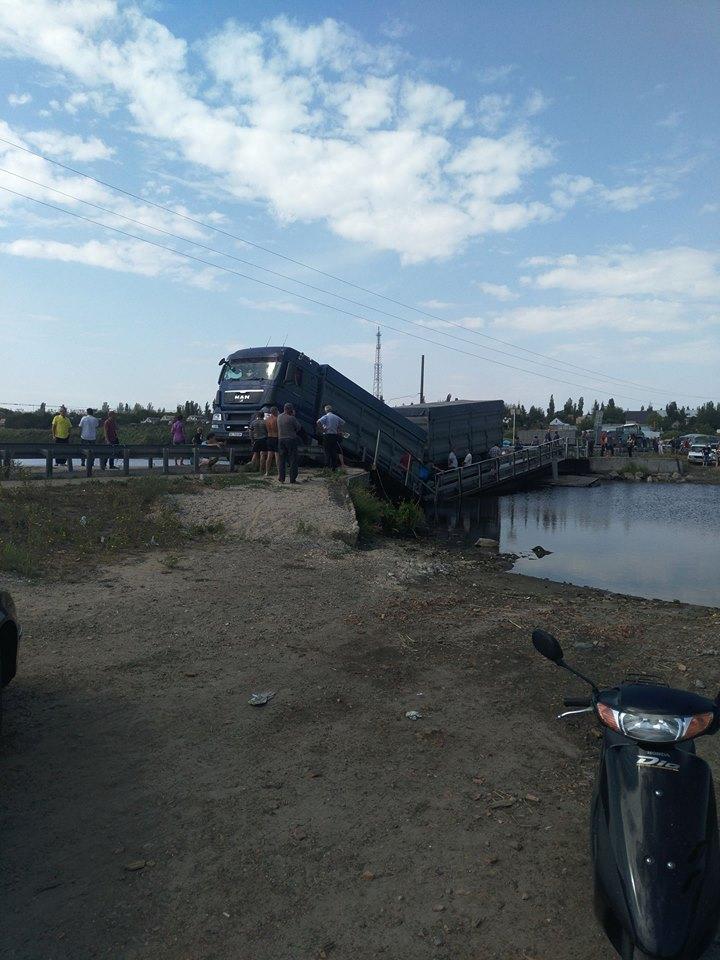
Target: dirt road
151	813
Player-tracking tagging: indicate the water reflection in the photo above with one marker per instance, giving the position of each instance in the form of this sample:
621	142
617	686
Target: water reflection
652	541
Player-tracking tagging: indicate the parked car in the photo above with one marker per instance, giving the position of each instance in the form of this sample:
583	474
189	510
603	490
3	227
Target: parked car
9	638
696	453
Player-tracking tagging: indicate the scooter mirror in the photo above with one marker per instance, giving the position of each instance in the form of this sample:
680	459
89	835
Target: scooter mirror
546	644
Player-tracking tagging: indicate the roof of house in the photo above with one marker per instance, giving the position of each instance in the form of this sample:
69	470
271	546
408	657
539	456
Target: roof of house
637	416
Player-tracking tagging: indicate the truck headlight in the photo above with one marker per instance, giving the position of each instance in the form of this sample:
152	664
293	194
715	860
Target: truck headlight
217	418
654	727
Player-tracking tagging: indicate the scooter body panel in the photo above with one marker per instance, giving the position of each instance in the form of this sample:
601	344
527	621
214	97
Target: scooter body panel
655	849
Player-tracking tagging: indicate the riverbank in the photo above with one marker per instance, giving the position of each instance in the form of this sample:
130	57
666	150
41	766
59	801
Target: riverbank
325	823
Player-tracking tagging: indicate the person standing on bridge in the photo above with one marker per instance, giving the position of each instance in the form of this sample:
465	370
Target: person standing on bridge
60	428
330	426
289	432
452	460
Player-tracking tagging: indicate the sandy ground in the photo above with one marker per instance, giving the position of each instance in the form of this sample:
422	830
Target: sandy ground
151	813
276	512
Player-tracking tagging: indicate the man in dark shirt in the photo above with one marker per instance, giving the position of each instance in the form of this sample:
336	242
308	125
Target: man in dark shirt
111	438
289	430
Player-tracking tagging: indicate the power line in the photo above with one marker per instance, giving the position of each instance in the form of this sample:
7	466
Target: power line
320	303
559	364
148	226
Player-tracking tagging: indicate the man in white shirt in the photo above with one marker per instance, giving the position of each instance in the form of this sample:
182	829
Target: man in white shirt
452	461
88	430
468	459
330	426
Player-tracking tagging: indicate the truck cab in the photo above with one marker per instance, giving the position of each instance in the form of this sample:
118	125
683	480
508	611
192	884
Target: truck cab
260	377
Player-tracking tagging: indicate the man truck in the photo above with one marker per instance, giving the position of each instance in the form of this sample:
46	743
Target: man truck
262	377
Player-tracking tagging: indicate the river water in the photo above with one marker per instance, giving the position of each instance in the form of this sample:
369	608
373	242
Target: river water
648	540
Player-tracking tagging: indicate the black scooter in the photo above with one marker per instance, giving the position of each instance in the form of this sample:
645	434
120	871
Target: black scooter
654	830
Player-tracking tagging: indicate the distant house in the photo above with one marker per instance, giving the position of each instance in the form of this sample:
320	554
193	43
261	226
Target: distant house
557	423
640	417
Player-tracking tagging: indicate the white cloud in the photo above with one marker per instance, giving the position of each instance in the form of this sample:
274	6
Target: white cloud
366	105
498	290
604	313
536	103
568	190
430	105
35	169
493	75
71	147
294	121
649	185
683	272
127	256
88	99
710	208
494	109
19	99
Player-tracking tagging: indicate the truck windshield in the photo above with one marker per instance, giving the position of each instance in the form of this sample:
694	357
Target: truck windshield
250	370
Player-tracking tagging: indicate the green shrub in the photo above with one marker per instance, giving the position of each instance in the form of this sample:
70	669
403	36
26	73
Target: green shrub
374	514
369	510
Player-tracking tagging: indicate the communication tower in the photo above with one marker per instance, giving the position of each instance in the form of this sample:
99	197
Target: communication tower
377	374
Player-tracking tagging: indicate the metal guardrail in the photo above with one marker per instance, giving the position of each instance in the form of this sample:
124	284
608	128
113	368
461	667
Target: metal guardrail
102	453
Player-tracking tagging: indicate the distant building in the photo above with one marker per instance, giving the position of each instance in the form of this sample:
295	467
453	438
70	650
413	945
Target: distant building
640	417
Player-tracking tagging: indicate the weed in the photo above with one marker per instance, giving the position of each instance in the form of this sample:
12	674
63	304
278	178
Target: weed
407	519
50	528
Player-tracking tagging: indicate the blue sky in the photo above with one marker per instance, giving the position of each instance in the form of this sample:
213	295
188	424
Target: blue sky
541	174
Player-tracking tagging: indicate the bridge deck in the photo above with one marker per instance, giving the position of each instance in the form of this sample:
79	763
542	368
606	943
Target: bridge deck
487	476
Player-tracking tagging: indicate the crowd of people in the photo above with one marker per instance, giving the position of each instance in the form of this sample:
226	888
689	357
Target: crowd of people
276	439
90	428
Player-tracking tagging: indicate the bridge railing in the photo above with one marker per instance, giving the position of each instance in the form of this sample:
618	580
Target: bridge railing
484	474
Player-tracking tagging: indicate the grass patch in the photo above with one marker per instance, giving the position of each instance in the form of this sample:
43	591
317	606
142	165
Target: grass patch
50	530
380	516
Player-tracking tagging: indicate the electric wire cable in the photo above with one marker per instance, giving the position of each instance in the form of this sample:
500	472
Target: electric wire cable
249	263
320	303
307	266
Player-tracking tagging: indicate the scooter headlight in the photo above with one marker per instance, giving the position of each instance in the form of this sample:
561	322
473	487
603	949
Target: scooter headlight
654	727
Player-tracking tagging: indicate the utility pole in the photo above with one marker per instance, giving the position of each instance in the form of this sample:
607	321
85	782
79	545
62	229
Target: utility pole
422	379
377	373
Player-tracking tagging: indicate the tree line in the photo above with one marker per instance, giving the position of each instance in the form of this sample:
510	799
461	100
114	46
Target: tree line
704	419
125	413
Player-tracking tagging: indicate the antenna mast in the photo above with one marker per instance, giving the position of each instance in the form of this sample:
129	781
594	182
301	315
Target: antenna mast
377	374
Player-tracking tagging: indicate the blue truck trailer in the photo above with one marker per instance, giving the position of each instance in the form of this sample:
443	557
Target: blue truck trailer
259	377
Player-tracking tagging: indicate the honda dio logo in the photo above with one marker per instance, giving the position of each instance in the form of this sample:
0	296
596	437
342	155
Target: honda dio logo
658	764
